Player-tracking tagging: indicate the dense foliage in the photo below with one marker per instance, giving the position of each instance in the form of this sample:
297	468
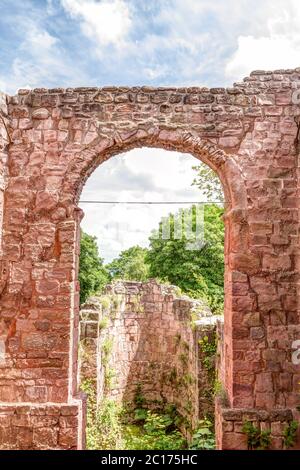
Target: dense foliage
199	273
92	274
130	265
111	427
154	434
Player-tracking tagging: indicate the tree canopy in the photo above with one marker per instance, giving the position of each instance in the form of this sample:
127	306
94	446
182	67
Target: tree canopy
130	265
93	276
199	273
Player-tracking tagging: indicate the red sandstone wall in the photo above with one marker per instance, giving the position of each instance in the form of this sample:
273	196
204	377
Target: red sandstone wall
154	345
39	427
4	141
248	133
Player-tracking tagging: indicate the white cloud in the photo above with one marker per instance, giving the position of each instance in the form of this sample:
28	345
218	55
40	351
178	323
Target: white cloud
219	42
35	60
170	42
278	47
51	9
264	53
139	175
40	61
38	40
106	22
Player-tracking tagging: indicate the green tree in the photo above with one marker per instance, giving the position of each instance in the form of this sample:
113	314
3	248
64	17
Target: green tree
208	181
130	265
92	274
199	273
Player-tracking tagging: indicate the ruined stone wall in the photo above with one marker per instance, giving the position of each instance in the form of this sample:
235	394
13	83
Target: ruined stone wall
230	427
248	133
44	427
142	338
229	422
4	141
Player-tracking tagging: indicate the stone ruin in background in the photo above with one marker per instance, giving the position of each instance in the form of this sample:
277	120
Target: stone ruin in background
153	336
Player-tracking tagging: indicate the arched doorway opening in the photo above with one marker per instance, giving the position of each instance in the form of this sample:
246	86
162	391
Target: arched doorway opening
146	352
235	218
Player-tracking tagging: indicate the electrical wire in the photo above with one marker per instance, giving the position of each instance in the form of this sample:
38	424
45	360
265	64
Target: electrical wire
152	202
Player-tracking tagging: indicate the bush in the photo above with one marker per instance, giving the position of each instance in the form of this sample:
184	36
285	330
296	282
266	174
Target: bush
103	428
203	438
155	434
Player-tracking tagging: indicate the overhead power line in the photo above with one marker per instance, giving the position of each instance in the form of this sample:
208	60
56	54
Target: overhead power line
151	202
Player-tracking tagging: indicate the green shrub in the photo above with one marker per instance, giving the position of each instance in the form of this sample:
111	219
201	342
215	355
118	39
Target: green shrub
155	435
256	439
290	434
111	427
203	438
103	429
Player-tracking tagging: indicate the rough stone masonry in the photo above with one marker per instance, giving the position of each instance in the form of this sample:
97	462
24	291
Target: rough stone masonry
51	141
143	339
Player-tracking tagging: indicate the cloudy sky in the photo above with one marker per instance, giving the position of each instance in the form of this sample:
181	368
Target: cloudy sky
139	175
133	42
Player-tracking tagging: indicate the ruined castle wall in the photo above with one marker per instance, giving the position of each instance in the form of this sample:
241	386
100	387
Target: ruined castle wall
248	133
145	342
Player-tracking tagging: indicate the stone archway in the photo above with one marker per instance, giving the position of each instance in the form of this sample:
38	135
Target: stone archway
51	140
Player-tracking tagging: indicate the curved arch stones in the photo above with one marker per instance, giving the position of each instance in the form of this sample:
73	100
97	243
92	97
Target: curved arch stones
50	142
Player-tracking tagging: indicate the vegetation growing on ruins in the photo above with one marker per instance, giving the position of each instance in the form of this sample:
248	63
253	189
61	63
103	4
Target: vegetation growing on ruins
208	347
256	438
103	427
111	427
208	351
290	434
103	323
203	437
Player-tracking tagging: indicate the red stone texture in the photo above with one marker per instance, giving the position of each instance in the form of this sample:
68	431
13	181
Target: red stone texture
40	427
229	426
52	140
